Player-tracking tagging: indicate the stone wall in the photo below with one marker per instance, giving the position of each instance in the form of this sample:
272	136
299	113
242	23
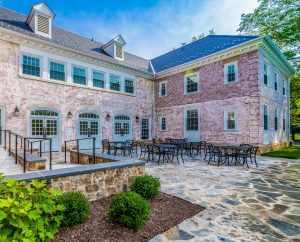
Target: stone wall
27	93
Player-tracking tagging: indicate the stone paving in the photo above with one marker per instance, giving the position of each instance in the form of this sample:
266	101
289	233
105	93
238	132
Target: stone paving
255	204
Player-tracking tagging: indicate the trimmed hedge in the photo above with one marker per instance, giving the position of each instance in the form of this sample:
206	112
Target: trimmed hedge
147	186
129	209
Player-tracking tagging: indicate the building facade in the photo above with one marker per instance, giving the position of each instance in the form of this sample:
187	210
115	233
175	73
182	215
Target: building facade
221	89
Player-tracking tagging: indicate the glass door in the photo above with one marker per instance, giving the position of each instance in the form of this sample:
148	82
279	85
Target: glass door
122	128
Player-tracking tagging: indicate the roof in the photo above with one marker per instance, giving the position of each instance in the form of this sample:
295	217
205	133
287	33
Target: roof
198	49
17	22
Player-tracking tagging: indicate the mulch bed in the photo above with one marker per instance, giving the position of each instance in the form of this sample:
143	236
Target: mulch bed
166	212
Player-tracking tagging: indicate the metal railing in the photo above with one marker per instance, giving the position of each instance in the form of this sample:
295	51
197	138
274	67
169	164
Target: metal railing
22	144
78	147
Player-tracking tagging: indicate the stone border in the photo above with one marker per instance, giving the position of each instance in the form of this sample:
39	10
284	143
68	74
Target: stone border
72	171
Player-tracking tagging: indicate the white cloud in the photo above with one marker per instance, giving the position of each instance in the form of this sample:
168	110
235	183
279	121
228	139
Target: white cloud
157	30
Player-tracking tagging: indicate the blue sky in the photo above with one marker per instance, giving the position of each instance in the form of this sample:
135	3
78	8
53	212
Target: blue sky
150	27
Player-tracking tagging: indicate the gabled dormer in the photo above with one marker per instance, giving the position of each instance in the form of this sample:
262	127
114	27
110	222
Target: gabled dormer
40	20
115	48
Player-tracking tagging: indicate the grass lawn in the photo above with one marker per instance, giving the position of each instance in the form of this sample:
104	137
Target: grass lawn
292	152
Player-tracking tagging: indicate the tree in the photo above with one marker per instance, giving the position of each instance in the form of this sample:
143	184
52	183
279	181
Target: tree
211	32
280	19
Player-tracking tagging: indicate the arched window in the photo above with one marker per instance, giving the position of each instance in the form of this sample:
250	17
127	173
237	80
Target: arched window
122	117
44	112
89	115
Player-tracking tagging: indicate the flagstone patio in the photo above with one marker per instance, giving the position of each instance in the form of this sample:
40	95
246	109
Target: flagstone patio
256	204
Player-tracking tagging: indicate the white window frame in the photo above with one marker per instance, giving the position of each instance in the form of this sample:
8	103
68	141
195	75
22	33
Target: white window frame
160	87
150	133
115	51
86	73
160	123
276	74
134	85
92	77
121	82
58	62
268	74
235	63
284	87
235	119
34	56
185	83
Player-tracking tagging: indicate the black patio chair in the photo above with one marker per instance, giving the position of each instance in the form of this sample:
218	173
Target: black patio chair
107	146
244	155
216	155
143	150
253	153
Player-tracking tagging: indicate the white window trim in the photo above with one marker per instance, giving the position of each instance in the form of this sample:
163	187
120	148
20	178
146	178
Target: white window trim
86	74
276	73
122	85
115	52
92	75
235	119
185	83
59	62
34	56
235	63
134	85
268	73
284	85
36	25
160	85
160	123
150	131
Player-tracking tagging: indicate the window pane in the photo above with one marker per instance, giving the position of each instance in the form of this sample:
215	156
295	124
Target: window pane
275	81
266	74
230	120
284	121
129	87
231	73
276	120
145	129
283	87
98	79
266	118
163	89
79	75
163	125
57	71
31	66
192	120
192	84
114	82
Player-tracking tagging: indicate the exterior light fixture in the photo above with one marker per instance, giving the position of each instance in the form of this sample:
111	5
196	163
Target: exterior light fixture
108	117
70	114
16	111
137	118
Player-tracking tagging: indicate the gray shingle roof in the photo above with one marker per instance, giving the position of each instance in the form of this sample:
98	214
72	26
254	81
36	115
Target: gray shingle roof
17	22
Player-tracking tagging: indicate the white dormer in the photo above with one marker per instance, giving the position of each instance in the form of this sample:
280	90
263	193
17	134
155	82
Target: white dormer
40	20
115	48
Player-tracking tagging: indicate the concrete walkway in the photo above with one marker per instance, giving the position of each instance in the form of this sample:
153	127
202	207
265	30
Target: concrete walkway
255	204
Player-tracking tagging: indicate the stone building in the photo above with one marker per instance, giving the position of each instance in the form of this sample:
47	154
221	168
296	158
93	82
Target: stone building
221	89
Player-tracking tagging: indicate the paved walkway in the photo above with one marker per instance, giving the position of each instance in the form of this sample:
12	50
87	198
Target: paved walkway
255	204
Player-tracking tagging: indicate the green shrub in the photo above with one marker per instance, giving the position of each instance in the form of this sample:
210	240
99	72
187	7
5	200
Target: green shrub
147	186
28	212
129	209
78	208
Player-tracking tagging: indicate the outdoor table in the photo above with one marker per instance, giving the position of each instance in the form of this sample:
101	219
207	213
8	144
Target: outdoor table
235	149
118	145
164	149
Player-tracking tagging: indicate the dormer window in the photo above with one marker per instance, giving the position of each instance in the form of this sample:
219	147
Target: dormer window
40	20
115	48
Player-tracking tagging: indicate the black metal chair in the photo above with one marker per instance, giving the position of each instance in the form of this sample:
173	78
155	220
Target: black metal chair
143	150
106	145
253	153
244	155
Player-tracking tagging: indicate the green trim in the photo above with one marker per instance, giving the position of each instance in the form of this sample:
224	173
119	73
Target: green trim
273	54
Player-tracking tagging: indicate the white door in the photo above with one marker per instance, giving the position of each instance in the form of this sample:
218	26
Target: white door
2	126
44	123
192	125
266	124
122	128
88	126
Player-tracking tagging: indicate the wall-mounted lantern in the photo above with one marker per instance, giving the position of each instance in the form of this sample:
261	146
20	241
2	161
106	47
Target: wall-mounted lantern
137	118
16	111
108	117
70	114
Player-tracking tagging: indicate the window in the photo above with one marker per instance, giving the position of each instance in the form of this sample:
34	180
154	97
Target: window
119	51
163	89
114	82
266	73
284	121
191	83
230	120
31	65
163	124
266	117
98	79
275	81
145	129
129	85
230	71
57	71
283	87
192	120
276	119
79	75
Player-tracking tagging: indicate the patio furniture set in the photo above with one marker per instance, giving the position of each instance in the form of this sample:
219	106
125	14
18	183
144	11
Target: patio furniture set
170	150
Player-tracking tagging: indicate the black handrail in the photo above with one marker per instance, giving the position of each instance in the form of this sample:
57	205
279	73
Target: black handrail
78	148
24	140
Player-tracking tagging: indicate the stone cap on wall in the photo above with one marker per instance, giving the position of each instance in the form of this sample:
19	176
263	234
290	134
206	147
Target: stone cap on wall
80	169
